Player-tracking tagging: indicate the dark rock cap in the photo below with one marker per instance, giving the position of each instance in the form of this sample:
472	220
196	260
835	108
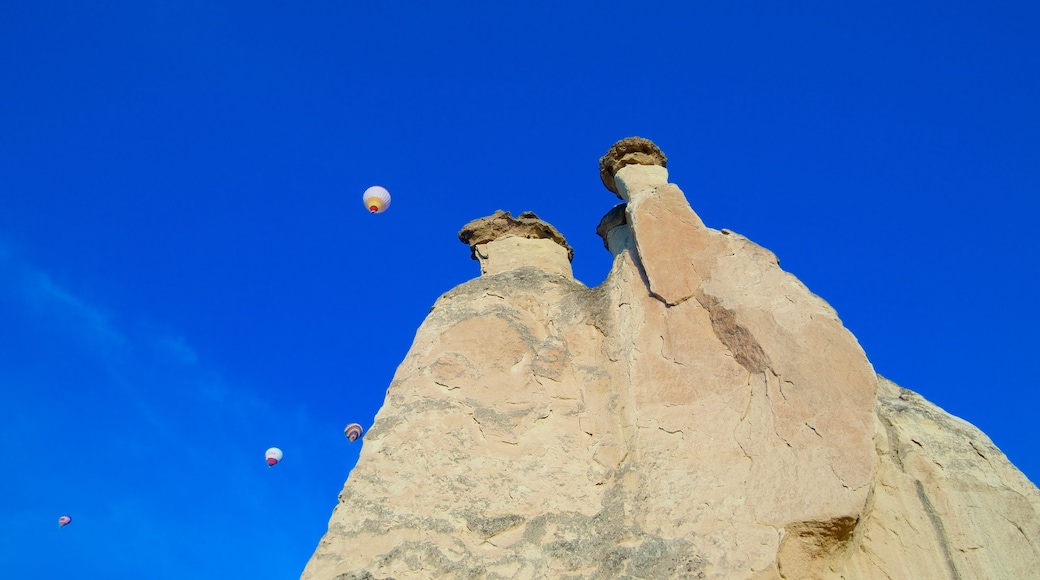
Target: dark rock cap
501	224
629	151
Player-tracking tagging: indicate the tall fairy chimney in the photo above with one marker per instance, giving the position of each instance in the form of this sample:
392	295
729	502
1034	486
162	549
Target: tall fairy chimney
631	168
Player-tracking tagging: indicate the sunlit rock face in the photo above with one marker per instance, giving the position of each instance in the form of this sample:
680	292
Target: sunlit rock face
700	414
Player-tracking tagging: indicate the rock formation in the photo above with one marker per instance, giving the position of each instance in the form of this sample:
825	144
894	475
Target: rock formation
501	242
700	414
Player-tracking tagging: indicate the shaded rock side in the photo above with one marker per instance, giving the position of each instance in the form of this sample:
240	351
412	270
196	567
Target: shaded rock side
946	503
700	414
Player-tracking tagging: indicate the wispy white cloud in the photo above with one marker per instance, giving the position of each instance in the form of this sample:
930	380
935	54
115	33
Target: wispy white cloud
176	440
176	350
90	321
170	387
152	369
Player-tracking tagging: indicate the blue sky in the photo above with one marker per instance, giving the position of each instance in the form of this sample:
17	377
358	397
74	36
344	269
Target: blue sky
188	276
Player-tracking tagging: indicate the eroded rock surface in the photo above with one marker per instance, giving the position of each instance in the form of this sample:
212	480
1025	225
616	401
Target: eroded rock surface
501	243
501	224
946	503
700	414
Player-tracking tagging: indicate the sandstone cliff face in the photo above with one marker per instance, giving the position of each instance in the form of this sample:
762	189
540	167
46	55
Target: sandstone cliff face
699	414
946	502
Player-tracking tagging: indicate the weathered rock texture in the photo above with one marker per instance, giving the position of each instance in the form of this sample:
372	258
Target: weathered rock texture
946	503
501	242
700	414
630	151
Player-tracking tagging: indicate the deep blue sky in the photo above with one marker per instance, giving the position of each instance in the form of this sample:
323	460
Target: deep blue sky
188	276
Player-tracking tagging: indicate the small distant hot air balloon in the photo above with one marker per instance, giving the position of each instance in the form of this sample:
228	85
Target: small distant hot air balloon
353	431
274	455
64	521
377	199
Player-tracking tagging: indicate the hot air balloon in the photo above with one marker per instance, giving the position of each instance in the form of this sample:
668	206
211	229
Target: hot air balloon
274	455
64	521
377	199
353	431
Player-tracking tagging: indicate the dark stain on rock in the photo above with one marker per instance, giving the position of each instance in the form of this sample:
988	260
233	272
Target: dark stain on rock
940	530
735	337
488	527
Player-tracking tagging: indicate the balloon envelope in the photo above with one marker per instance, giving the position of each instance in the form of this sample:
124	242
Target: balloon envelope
64	521
273	455
353	431
377	199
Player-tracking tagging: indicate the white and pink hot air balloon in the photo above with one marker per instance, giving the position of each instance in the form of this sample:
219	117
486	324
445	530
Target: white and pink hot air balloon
274	455
377	199
64	521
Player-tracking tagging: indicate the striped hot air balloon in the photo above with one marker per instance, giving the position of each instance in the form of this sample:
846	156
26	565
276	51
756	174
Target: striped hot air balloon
377	199
353	431
274	455
64	521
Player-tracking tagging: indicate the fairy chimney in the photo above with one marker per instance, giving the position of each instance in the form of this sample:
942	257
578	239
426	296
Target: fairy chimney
699	414
501	243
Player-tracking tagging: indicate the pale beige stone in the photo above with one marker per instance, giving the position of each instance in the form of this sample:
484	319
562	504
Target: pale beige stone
512	252
635	179
501	242
758	459
502	223
946	502
666	232
700	414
